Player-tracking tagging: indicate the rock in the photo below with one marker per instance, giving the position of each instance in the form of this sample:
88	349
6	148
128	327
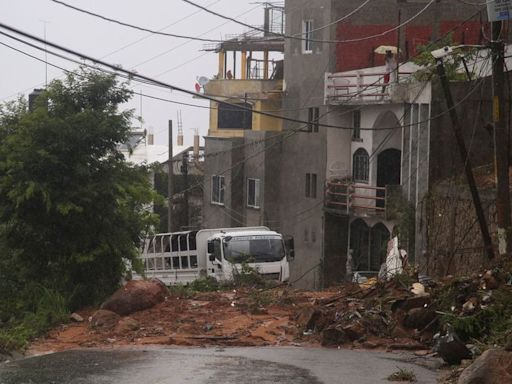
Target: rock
334	336
419	318
493	367
135	296
126	325
104	319
354	331
76	317
508	342
490	280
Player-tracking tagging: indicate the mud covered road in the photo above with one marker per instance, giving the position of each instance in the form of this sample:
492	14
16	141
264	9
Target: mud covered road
165	365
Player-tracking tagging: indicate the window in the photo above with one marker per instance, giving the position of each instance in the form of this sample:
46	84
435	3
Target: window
360	166
311	185
356	124
234	116
253	193
313	116
307	35
218	190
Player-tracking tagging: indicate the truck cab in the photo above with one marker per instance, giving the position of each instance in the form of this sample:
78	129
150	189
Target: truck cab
261	250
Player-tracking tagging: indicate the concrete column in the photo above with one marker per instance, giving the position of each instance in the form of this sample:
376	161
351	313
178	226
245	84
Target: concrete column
244	65
265	65
222	69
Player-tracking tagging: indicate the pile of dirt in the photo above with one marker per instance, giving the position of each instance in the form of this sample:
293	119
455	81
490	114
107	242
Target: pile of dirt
455	318
242	317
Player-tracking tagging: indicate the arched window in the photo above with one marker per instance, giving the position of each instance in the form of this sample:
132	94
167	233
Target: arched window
360	166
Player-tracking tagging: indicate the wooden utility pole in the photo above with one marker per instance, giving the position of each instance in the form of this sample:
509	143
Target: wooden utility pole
169	181
486	237
500	140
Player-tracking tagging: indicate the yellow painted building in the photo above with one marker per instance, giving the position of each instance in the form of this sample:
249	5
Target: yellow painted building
258	86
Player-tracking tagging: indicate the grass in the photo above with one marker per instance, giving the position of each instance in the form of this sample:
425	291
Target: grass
45	309
403	375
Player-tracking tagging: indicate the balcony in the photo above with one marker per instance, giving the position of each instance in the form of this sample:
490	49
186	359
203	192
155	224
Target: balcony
367	86
246	88
351	199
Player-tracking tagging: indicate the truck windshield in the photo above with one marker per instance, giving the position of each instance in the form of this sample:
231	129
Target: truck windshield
254	249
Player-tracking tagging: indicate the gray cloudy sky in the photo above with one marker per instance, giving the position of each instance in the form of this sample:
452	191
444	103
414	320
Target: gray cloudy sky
168	59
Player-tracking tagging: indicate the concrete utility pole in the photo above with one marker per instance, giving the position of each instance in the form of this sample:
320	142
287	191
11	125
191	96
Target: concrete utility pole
184	171
501	140
465	158
169	181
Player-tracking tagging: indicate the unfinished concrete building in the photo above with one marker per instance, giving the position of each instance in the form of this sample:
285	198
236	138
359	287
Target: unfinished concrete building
349	177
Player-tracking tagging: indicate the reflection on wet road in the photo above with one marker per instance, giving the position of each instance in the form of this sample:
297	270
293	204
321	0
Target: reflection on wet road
208	366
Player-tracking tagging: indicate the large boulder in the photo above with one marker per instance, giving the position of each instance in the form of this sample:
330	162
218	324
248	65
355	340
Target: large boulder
135	296
493	367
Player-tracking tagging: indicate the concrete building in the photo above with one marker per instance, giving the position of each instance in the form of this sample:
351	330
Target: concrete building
348	179
241	149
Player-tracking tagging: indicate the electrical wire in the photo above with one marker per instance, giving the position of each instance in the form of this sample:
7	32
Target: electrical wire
154	32
144	79
310	39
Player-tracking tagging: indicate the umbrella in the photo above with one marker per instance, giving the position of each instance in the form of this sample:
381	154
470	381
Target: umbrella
382	49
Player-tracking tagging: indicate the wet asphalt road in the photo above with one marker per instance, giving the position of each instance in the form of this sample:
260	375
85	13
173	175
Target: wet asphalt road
211	365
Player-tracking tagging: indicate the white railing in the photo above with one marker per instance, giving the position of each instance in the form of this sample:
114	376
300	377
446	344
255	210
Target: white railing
360	86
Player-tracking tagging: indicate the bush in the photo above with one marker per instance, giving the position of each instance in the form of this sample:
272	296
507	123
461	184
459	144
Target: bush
39	309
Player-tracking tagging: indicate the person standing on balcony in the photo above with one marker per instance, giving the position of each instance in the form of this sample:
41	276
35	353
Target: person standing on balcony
390	68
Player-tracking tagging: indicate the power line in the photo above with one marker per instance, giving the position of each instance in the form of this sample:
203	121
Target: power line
136	26
148	80
310	39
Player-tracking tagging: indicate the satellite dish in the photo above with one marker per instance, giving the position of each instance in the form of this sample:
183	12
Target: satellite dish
203	80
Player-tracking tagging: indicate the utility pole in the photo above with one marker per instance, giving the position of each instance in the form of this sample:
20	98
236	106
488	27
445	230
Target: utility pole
465	158
500	140
184	171
169	181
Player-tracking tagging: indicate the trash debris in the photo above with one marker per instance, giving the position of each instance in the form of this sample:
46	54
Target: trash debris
451	348
393	259
418	289
76	317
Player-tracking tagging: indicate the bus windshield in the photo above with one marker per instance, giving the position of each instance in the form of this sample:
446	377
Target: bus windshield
253	249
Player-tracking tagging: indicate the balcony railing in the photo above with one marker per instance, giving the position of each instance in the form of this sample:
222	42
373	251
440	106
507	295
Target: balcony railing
350	198
368	87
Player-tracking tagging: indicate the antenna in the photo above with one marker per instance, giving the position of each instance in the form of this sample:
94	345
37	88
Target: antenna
180	129
45	54
140	108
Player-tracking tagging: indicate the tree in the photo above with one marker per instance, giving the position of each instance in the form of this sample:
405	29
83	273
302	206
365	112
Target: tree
72	210
453	64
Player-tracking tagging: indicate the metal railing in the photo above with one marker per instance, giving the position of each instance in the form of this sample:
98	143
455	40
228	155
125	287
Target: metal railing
349	197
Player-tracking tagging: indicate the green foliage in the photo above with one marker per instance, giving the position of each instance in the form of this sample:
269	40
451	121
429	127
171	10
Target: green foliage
247	276
204	284
72	209
403	374
37	310
452	64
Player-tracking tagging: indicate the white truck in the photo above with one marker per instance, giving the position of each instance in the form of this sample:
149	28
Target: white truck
181	257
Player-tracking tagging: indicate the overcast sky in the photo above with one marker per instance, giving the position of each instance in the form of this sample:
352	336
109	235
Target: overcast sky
168	59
